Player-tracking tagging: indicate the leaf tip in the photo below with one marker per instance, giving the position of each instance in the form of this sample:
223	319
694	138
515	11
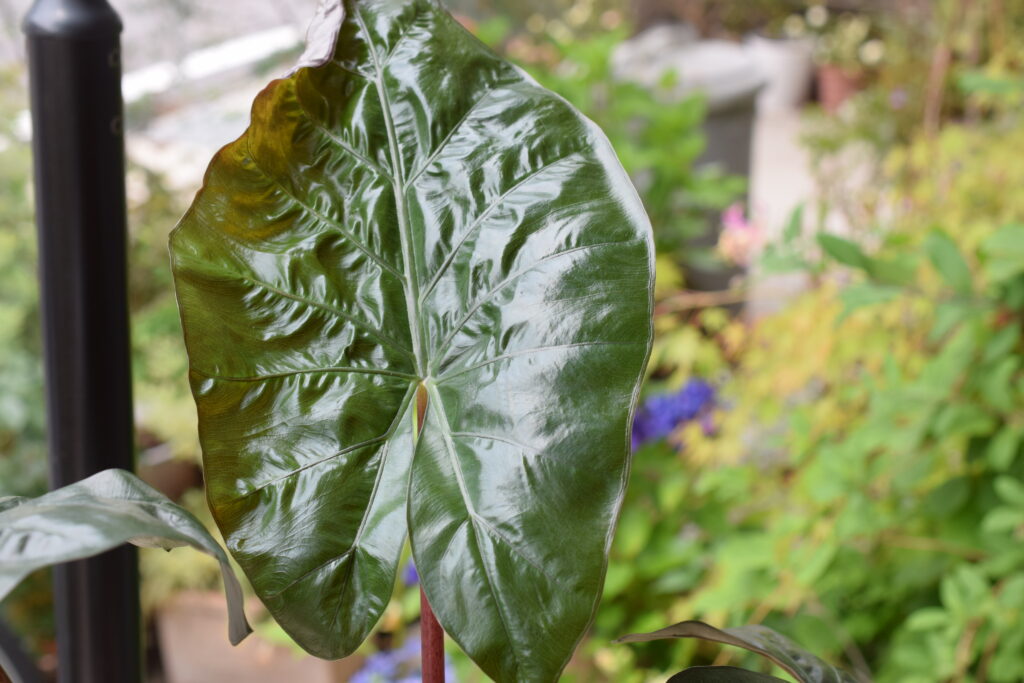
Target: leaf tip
322	35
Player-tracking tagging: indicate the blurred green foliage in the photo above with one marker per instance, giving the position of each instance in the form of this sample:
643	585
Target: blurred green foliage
942	60
22	415
22	436
161	386
863	489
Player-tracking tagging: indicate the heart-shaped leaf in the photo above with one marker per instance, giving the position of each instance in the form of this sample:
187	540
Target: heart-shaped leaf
804	666
99	513
418	216
721	674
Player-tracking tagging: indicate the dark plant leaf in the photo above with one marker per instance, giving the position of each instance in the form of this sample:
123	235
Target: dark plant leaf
760	639
949	262
721	674
418	215
844	251
1004	253
862	294
794	225
900	271
99	513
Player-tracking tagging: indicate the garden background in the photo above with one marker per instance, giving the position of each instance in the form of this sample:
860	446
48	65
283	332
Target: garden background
830	436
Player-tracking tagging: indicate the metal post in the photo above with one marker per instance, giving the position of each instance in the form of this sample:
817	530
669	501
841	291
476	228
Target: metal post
78	144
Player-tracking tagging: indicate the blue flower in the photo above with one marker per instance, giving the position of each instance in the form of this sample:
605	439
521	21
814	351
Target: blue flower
661	415
380	667
401	665
410	577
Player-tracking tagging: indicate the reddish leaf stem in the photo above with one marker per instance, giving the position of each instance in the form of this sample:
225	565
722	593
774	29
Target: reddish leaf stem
432	641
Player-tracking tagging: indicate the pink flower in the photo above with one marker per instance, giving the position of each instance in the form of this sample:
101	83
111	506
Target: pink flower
740	237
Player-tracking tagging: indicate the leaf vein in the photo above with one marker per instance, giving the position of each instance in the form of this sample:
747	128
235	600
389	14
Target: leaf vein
493	437
497	604
345	147
451	133
297	470
451	541
354	72
324	219
513	277
447	376
387	340
446	433
293	373
368	442
306	574
405	33
435	278
410	281
373	494
516	551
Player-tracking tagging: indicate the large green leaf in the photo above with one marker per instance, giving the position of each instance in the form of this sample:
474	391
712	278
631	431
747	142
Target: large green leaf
96	514
801	664
418	215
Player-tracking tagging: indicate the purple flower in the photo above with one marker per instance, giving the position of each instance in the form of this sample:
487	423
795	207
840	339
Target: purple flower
660	415
707	423
390	665
410	577
401	665
898	99
380	667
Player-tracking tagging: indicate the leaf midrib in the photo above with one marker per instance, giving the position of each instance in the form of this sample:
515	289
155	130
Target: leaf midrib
410	283
413	300
472	516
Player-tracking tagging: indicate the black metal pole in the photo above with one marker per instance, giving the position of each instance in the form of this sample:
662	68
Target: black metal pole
78	144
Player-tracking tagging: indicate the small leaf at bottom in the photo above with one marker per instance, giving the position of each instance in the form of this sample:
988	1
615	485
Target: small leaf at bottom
95	515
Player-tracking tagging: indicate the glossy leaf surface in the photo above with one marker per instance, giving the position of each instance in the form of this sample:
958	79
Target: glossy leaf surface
99	513
764	641
721	674
417	214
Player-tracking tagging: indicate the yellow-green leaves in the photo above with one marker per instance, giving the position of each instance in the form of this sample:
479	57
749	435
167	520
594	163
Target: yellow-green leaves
418	213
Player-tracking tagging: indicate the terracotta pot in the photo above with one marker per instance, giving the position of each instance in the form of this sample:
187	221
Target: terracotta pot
836	85
192	629
169	475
